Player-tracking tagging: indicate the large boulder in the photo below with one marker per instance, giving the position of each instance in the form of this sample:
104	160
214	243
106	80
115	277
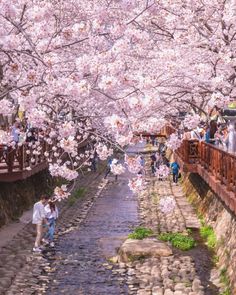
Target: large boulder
137	249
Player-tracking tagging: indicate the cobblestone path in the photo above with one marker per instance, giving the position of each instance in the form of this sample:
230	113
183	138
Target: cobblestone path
184	273
89	233
83	268
23	272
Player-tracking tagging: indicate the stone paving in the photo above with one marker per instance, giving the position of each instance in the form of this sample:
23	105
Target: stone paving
174	275
90	232
83	267
23	272
178	220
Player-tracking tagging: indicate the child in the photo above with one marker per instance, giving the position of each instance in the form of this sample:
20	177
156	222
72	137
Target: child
39	218
51	215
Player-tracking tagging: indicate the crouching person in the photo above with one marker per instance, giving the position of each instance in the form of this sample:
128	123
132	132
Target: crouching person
51	216
39	219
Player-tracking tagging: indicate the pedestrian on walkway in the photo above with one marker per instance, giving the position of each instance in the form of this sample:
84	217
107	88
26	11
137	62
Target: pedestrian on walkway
39	219
175	171
15	131
108	171
142	163
51	216
153	163
94	162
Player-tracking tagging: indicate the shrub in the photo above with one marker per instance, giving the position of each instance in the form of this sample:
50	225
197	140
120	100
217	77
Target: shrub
140	233
178	240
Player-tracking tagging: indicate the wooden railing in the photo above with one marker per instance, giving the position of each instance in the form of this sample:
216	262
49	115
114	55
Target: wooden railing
189	151
29	158
219	163
215	165
23	158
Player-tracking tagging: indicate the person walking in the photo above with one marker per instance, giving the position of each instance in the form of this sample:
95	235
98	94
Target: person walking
153	163
231	139
142	164
175	171
51	216
15	131
39	218
108	171
94	161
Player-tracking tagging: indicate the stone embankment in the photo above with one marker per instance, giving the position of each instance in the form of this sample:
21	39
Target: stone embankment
210	206
18	196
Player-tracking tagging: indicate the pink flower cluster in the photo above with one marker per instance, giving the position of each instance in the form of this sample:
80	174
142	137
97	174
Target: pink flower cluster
116	168
162	172
63	171
137	184
167	204
133	164
173	142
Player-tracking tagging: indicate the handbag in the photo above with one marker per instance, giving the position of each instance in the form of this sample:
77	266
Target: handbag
179	176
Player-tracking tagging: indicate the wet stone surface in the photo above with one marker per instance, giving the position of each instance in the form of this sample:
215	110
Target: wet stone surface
83	267
91	231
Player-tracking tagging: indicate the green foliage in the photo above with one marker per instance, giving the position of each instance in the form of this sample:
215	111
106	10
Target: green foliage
140	233
79	193
215	259
224	279
223	276
178	240
208	235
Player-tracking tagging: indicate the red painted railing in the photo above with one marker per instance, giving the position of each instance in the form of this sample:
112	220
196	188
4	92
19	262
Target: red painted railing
215	165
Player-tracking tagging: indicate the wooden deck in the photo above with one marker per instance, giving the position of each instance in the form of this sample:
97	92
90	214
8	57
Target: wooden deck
216	166
23	161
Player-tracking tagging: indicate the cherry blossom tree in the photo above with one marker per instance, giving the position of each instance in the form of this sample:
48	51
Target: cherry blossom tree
102	71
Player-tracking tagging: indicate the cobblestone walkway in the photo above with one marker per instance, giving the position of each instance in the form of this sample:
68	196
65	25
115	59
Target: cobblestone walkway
182	217
23	272
177	274
83	267
90	232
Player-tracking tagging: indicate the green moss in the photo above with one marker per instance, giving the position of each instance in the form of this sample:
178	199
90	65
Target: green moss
207	233
178	240
79	193
224	279
215	259
140	233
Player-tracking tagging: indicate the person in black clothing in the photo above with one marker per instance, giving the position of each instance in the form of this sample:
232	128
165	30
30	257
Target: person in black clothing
153	163
31	135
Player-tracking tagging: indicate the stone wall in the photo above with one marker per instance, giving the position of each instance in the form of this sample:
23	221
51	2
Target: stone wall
219	217
15	197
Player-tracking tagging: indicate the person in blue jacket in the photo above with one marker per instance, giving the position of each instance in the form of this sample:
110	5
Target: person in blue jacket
175	170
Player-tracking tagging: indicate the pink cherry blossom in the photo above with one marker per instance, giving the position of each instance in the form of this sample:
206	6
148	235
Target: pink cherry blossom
117	168
162	172
136	184
167	204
